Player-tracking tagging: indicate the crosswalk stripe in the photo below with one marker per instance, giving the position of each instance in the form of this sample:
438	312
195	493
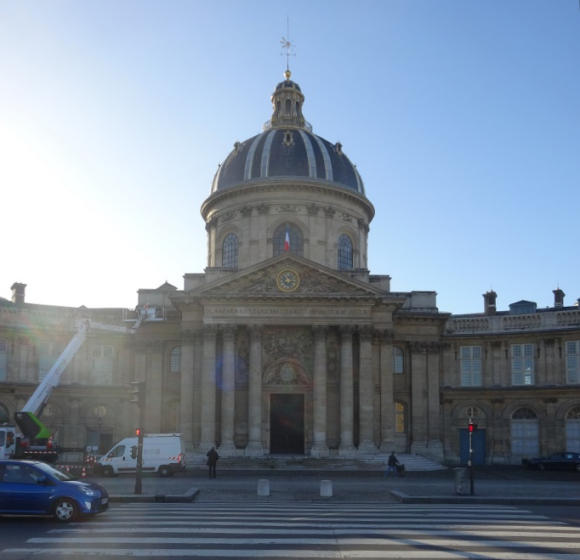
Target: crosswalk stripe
277	553
334	541
310	531
564	532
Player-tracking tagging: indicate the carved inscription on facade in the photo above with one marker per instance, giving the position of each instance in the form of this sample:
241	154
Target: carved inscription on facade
267	311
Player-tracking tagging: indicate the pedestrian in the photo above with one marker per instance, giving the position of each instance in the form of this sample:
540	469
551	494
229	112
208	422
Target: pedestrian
212	457
392	463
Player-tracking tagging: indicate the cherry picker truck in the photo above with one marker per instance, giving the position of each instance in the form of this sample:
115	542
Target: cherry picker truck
30	438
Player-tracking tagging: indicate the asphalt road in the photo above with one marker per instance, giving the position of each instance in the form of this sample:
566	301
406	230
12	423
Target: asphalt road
29	536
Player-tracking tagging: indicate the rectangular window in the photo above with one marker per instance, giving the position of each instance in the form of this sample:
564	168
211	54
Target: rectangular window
103	360
175	360
573	361
522	364
470	364
47	355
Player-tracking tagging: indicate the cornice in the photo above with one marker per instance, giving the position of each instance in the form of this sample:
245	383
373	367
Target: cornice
274	185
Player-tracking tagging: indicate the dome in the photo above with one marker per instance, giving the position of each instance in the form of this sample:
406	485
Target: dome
287	153
287	149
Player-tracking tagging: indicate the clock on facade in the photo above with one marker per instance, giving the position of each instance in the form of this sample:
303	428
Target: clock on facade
288	280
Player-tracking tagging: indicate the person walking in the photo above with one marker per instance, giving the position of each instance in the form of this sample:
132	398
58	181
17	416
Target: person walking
212	457
392	463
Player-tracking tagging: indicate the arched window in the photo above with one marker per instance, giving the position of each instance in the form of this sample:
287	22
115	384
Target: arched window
398	362
473	412
524	414
230	251
287	238
175	360
344	252
574	413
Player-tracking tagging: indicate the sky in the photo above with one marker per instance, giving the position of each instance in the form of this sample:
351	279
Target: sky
462	116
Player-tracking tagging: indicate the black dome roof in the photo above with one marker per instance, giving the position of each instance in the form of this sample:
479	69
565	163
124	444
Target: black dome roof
287	149
287	153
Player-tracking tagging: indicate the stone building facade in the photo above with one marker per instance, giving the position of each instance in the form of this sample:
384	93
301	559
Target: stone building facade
287	344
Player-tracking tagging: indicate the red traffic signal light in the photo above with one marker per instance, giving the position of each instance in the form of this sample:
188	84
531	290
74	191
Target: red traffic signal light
137	432
471	427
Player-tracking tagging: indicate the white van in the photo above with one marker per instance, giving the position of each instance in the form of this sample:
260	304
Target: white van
162	453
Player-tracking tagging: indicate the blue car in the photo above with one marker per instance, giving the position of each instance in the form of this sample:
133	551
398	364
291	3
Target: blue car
35	488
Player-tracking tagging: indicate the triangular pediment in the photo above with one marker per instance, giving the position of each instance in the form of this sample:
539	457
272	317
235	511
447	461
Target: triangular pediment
288	276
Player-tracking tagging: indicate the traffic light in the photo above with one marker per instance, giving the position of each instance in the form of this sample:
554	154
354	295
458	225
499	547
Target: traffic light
138	393
137	432
471	427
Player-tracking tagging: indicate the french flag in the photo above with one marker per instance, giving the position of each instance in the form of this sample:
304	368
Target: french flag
287	242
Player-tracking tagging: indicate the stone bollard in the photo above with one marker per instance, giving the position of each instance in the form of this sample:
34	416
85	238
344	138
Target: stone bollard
326	488
263	487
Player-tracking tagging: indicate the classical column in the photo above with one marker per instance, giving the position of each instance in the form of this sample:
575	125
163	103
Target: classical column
435	437
419	407
319	447
154	390
228	392
387	392
346	393
254	447
366	444
186	389
208	389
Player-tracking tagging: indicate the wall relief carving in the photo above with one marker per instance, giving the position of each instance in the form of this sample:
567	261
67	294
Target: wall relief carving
286	372
281	344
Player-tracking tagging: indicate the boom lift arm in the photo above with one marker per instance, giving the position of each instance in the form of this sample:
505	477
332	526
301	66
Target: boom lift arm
27	418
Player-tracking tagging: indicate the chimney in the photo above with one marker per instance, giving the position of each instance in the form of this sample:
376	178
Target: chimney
18	291
558	297
489	302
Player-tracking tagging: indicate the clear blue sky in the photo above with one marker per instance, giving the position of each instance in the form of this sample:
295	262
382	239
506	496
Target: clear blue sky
463	117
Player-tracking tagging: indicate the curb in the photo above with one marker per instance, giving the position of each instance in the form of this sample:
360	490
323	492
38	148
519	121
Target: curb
187	497
497	500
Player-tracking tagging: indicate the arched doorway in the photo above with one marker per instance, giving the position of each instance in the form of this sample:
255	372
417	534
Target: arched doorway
524	435
288	402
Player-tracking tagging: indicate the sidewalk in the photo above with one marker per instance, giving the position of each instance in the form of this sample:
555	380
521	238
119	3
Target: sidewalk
491	485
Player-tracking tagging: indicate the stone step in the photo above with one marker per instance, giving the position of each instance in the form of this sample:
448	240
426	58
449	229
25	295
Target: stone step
413	463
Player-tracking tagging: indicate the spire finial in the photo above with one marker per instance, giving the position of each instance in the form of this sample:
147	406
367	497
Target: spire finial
287	46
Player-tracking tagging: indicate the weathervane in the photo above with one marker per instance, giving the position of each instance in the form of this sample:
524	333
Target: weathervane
287	46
